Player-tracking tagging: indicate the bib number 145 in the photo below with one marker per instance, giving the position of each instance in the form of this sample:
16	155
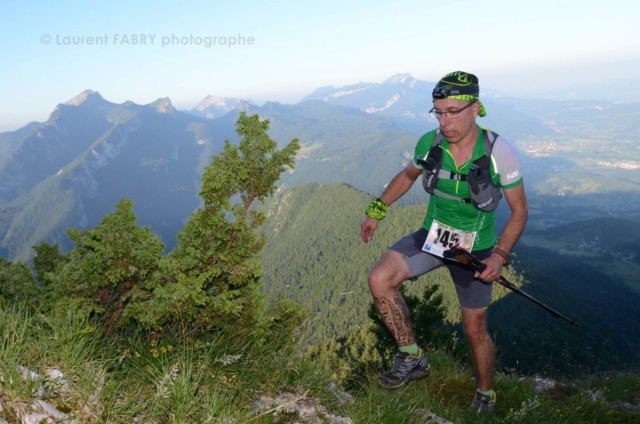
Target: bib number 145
446	238
442	237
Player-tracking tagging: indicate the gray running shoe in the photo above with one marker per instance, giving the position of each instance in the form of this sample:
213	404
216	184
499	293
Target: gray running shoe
406	368
483	404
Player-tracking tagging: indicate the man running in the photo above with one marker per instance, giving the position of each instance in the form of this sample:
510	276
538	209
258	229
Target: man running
465	184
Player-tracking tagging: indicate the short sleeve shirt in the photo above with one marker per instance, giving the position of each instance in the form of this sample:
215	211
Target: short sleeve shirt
506	173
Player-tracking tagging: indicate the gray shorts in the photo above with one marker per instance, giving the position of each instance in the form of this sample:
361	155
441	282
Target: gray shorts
472	293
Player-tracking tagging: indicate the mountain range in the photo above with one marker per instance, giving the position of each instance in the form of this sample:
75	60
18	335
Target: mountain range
67	172
71	170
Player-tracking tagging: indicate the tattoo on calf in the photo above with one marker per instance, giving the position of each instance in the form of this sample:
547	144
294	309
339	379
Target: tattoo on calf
395	315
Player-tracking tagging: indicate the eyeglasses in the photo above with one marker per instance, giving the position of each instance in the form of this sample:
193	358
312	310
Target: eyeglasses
449	114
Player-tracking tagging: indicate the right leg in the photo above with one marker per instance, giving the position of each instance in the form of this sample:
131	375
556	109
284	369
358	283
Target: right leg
404	260
385	277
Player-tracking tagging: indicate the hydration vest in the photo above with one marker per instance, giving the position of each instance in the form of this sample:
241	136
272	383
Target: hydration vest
485	195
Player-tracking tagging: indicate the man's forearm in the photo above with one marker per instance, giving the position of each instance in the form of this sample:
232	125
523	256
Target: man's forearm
512	231
515	224
399	185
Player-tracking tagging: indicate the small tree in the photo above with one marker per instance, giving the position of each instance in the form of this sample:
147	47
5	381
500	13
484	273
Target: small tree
106	265
210	280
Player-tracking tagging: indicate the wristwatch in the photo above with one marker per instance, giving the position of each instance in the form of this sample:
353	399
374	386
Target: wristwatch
504	255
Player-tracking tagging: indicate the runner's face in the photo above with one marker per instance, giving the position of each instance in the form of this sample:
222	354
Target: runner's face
457	129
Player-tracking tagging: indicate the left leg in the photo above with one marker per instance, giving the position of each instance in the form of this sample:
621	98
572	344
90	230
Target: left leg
483	354
475	297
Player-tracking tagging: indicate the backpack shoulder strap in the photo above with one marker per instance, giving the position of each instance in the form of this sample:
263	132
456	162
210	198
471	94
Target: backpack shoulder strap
490	138
437	140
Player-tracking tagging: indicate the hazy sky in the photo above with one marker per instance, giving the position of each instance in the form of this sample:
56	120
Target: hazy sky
53	50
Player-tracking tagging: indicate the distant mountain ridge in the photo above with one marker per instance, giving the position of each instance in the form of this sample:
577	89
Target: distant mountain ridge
72	170
407	101
92	152
46	149
374	97
401	97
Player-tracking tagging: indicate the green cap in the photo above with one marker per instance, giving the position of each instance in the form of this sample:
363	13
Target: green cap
459	85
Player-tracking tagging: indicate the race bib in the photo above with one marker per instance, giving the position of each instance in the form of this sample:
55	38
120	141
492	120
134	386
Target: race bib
442	237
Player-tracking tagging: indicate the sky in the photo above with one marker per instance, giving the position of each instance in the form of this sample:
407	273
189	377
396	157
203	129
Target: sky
283	50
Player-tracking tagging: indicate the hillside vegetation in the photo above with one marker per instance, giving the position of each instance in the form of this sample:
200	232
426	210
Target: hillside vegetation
315	257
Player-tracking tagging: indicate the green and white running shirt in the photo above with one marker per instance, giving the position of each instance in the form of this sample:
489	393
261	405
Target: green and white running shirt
505	172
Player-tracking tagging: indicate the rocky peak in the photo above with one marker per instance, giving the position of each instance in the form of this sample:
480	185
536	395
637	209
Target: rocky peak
86	97
163	105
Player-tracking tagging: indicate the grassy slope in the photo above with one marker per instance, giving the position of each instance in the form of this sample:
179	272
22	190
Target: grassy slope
156	380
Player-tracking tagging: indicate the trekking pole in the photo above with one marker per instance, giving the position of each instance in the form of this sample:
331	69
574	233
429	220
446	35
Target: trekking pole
468	261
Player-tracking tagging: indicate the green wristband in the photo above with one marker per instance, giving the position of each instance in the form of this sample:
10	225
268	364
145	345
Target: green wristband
377	209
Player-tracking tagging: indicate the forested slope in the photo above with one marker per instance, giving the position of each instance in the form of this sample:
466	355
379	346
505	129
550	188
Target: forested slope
314	256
